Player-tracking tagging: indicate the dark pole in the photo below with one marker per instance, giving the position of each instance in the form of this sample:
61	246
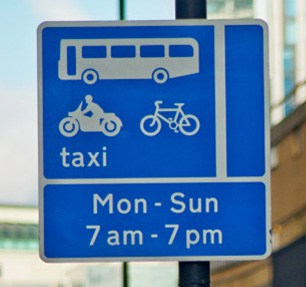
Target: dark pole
125	267
192	274
190	9
125	275
122	9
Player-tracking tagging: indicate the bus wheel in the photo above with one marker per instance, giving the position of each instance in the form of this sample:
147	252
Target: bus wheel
160	76
90	77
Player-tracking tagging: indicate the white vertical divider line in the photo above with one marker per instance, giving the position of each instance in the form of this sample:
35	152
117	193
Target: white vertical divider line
220	103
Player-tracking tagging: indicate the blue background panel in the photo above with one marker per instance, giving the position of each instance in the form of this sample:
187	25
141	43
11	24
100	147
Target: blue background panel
130	154
168	154
245	104
68	209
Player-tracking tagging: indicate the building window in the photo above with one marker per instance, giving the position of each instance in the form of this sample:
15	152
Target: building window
215	6
274	157
290	39
243	4
289	68
289	83
290	32
290	8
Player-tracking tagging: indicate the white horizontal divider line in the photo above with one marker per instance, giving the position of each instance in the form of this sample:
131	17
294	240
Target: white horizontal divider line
153	180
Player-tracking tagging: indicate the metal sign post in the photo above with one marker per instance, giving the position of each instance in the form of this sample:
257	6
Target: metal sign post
125	267
190	9
192	274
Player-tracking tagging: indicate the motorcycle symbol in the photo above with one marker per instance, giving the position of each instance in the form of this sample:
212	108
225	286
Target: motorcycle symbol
107	123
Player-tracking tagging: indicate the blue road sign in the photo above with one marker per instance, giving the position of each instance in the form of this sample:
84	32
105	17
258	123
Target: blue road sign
154	140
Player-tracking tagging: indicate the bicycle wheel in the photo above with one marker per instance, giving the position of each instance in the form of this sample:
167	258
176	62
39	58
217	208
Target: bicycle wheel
189	125
150	125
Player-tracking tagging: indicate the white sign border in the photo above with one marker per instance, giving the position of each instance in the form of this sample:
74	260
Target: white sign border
219	24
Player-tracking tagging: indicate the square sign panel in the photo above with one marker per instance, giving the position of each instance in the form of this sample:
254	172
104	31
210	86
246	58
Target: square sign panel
154	140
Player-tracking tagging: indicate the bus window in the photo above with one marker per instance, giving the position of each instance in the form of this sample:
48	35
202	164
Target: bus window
123	52
94	52
180	51
152	51
71	60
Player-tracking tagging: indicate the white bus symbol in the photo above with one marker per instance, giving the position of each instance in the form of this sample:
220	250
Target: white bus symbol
159	59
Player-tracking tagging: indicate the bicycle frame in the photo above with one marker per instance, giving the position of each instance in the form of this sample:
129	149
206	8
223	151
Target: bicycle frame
178	111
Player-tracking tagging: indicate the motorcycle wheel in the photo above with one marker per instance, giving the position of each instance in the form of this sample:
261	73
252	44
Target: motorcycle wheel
111	127
69	127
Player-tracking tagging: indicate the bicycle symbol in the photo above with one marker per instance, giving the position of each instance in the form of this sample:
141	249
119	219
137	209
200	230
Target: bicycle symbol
187	124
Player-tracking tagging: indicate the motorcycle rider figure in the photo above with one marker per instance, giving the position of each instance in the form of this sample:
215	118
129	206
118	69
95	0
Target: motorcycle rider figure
95	109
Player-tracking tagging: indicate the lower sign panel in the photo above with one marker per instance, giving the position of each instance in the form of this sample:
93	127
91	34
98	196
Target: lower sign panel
189	221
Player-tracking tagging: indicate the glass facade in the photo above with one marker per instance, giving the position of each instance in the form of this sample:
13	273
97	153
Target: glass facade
18	237
243	4
235	9
290	8
215	6
290	39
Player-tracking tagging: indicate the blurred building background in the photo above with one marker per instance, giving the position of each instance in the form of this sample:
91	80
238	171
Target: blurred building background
20	265
287	35
287	264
